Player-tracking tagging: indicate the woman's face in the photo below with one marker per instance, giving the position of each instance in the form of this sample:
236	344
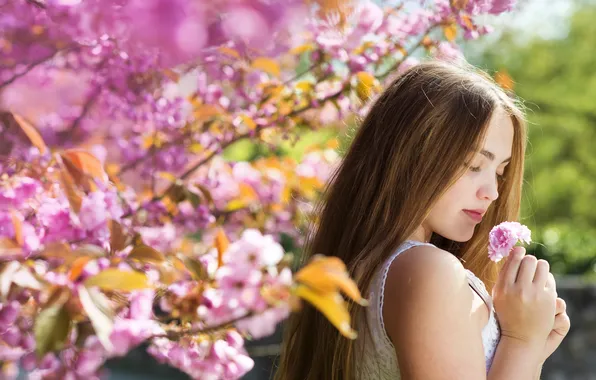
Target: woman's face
461	208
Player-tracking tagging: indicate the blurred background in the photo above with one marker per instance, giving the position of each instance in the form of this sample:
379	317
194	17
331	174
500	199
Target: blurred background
545	52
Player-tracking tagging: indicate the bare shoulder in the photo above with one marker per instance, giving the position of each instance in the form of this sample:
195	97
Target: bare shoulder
428	316
425	277
425	268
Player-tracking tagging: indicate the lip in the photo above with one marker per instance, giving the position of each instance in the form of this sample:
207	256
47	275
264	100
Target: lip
475	215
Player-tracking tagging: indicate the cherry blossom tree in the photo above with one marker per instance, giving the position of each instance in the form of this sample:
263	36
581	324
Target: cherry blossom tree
121	221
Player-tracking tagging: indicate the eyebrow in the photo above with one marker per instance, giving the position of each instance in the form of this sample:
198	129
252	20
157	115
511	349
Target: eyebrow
491	156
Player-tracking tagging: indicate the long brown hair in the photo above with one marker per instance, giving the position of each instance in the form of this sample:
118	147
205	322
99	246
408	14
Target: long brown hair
409	149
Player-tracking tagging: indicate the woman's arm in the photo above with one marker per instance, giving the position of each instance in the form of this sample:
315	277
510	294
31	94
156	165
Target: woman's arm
430	318
513	360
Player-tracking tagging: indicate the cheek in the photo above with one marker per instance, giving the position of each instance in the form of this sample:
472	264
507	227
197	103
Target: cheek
457	193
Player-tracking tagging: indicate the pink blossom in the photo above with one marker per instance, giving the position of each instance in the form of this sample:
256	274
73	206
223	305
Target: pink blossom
18	190
449	52
504	236
161	238
138	326
254	249
264	324
129	333
55	216
221	359
93	214
490	6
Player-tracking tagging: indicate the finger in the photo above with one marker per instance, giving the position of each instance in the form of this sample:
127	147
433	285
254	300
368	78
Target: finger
561	306
551	283
512	265
562	324
527	269
542	271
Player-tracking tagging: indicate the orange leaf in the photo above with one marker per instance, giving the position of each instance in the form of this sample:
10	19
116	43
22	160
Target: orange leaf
248	192
246	121
450	31
118	239
206	111
74	198
459	4
365	85
267	65
18	227
145	253
221	243
504	80
333	307
31	133
302	49
85	162
77	267
57	249
229	51
9	247
467	21
427	42
172	75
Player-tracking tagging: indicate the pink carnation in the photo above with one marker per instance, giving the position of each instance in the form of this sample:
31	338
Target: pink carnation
503	237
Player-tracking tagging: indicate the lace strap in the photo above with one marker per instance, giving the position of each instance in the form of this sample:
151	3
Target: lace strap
479	287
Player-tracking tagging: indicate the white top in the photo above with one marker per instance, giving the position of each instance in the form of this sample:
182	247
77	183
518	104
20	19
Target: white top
379	360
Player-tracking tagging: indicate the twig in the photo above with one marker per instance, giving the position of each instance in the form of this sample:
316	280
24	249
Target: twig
88	104
37	3
28	69
298	75
408	53
150	153
206	330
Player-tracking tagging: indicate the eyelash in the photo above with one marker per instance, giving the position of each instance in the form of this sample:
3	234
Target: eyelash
476	169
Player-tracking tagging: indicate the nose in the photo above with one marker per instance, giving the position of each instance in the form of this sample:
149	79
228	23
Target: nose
489	190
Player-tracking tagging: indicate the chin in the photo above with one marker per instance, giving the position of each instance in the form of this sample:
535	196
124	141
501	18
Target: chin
460	236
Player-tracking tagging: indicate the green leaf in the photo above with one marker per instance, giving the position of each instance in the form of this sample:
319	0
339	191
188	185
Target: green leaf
193	198
206	193
51	329
115	279
194	266
6	277
97	307
146	253
90	250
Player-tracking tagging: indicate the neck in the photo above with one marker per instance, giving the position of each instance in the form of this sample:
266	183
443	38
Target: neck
421	234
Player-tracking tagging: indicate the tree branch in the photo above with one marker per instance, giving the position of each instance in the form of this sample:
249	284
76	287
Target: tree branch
193	331
88	104
28	69
133	164
408	53
37	3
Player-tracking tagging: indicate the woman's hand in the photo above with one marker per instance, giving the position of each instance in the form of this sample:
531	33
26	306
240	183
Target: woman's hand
525	301
560	329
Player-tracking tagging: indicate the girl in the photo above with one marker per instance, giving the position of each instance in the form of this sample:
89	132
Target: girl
437	162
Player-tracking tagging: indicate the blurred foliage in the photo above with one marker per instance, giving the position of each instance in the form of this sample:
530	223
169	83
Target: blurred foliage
557	81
